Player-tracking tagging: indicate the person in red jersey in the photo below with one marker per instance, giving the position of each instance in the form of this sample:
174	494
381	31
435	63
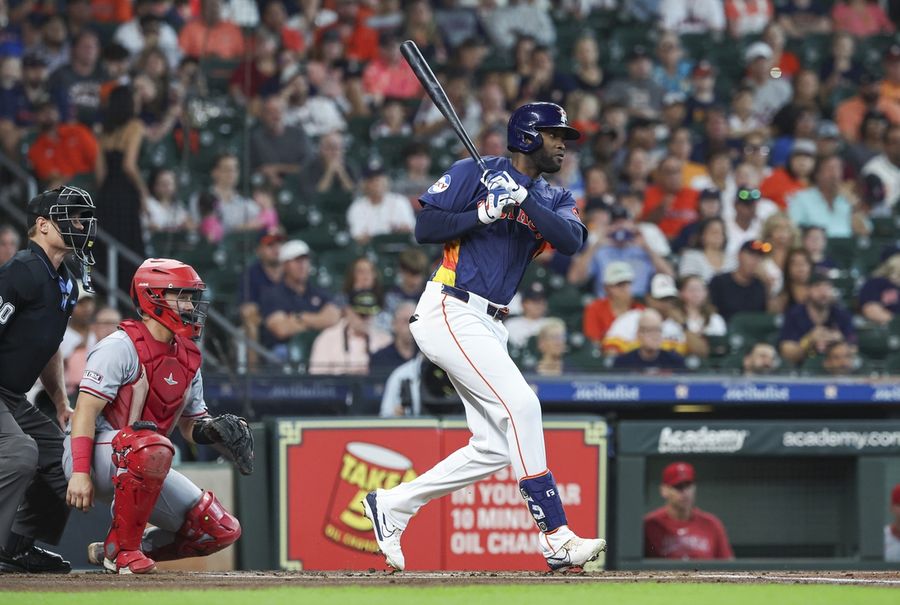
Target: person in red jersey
680	530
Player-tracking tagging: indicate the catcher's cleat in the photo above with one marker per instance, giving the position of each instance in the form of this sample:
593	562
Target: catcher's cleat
95	553
130	562
386	534
576	553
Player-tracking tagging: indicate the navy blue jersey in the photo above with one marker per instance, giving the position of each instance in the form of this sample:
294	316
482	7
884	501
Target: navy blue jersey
491	260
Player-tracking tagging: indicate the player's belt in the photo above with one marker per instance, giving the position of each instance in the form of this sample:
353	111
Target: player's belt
492	310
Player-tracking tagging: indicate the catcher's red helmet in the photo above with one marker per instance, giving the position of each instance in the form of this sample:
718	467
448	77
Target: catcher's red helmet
153	279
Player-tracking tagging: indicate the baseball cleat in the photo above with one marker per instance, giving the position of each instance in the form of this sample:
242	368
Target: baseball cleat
576	553
130	562
387	536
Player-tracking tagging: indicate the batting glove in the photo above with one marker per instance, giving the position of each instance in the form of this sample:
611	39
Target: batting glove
494	179
497	202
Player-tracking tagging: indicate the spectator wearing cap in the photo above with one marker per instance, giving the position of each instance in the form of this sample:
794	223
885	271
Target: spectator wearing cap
825	205
54	48
209	34
794	176
748	17
359	39
649	355
600	314
60	151
132	34
886	166
892	530
679	529
79	80
262	275
760	360
707	255
672	71
345	348
534	314
294	306
389	75
742	120
402	349
890	85
692	16
879	298
277	150
622	336
861	18
412	267
741	290
702	95
622	242
770	93
668	202
809	328
637	92
378	211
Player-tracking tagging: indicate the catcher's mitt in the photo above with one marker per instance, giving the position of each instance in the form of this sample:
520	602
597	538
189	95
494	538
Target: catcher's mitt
232	434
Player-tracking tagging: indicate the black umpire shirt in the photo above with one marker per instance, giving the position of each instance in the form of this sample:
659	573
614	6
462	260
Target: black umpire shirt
36	302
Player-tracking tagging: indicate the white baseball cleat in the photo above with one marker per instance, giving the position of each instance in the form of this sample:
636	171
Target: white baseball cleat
386	534
575	553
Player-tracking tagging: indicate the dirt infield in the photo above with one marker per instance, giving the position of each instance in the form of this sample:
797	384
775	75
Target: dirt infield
91	581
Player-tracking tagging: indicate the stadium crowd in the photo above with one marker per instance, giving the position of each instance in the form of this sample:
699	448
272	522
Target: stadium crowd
738	170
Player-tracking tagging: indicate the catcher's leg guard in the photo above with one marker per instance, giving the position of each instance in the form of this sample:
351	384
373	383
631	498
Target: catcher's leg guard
143	458
207	528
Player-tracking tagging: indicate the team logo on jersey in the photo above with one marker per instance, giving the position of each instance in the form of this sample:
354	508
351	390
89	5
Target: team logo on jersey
170	381
92	376
441	185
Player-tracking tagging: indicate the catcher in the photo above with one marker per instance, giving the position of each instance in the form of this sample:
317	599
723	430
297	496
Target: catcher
138	384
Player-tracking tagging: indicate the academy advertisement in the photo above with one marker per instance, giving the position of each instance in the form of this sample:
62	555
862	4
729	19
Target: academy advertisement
326	467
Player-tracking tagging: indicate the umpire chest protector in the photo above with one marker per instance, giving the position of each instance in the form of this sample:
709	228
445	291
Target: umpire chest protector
160	391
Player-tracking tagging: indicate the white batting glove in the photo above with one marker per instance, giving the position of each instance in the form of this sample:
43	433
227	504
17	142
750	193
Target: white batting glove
493	207
495	179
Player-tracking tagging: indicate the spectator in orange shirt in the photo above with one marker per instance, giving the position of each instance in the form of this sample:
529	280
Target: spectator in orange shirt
600	314
793	176
60	151
667	202
360	40
210	35
850	113
111	11
389	75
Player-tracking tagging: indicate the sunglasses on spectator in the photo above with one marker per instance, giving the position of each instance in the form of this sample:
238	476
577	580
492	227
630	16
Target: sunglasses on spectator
760	246
747	195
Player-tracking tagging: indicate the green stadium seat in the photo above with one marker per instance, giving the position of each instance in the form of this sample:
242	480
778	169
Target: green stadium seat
218	73
566	301
887	227
718	346
868	253
390	149
745	329
842	250
300	347
585	359
163	153
877	343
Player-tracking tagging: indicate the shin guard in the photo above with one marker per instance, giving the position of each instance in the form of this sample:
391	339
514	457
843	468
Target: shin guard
207	528
543	501
143	458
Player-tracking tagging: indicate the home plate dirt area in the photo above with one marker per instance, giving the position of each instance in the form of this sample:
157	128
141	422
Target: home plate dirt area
92	581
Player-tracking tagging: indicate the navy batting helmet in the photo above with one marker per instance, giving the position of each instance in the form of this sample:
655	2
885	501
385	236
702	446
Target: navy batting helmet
525	123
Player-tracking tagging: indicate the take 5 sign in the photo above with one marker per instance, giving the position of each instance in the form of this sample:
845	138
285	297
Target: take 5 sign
326	467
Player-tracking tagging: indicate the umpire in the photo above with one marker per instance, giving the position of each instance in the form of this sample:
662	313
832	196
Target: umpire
37	295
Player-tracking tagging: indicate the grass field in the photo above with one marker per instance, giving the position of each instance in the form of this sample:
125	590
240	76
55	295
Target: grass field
592	594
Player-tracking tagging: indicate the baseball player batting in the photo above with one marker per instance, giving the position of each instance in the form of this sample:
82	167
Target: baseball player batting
492	224
139	383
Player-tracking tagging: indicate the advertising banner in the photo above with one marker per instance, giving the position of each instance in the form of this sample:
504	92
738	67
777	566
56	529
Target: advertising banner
326	467
800	438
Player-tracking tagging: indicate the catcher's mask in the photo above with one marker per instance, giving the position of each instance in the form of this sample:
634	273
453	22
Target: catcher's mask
71	210
157	276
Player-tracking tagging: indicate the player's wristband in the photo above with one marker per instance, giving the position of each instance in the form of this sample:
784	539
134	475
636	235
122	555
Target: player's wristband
82	452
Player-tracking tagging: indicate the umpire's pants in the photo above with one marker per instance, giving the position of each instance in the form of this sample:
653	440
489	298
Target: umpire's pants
32	482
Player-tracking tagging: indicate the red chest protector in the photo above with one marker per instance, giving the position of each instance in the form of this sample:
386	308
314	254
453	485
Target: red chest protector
160	391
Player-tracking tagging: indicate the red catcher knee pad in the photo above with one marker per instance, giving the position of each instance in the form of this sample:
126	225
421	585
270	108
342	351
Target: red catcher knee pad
143	458
207	528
